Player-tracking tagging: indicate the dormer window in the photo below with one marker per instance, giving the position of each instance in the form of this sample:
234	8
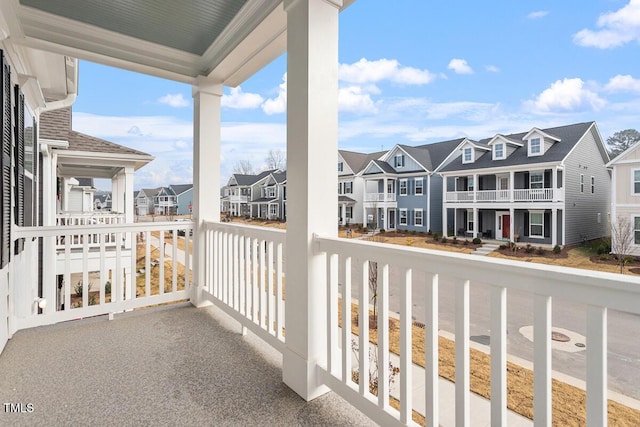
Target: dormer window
498	151
467	155
340	166
535	147
398	161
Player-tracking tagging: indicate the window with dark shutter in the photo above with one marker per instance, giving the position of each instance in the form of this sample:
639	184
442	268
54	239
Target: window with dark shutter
5	177
19	165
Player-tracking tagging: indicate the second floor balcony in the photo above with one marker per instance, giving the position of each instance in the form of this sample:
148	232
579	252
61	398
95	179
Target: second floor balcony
236	198
514	195
379	197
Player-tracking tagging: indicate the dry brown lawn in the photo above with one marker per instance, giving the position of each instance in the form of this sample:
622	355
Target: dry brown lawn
568	402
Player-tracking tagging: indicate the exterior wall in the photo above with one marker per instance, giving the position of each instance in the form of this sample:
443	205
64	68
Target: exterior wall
624	194
184	200
436	203
409	163
582	209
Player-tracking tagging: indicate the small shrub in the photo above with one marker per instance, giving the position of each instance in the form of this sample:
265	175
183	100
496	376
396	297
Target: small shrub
477	241
529	249
78	288
502	247
557	249
604	257
107	287
436	236
540	250
414	232
466	242
443	240
92	300
382	231
454	240
365	230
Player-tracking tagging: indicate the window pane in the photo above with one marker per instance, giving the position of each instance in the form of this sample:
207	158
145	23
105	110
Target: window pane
636	187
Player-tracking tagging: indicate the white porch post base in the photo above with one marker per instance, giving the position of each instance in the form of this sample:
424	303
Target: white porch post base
301	376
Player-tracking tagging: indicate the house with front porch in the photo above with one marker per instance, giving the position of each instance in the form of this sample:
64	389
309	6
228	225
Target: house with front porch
625	200
351	185
544	186
144	201
271	192
184	198
237	272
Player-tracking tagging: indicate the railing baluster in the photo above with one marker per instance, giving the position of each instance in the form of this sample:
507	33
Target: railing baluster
247	278
236	279
279	300
225	268
462	353
596	366
241	278
147	266
161	266
363	330
332	315
542	360
85	271
118	273
432	394
263	299
346	321
406	353
498	342
174	262
271	307
255	282
67	272
133	239
103	273
383	337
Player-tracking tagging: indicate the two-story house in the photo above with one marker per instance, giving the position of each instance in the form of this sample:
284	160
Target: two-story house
102	200
544	186
625	199
268	196
184	198
144	201
351	185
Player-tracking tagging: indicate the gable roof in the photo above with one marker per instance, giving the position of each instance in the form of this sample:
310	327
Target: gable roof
624	154
250	179
83	142
382	165
149	192
280	177
569	136
181	188
358	161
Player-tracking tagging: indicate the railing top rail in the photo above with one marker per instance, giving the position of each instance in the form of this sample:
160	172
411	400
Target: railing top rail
49	231
595	288
265	233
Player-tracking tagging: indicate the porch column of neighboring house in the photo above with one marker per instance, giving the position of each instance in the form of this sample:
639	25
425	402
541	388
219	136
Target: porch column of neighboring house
476	187
512	220
343	213
476	224
115	191
364	214
207	95
554	184
554	226
128	195
444	207
512	187
312	144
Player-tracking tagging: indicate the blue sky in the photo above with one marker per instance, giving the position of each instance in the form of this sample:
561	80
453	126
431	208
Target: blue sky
411	72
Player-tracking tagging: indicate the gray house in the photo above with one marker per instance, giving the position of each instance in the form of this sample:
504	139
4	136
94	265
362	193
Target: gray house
544	186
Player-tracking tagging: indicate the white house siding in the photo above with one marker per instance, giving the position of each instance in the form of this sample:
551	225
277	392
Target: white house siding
627	204
582	209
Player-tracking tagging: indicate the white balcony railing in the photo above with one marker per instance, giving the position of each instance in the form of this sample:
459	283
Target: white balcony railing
244	276
101	281
238	199
379	197
404	271
88	219
519	195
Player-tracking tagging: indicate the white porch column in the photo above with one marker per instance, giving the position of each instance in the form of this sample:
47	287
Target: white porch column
128	195
384	189
115	193
554	183
428	213
444	206
512	220
206	173
476	187
476	224
312	147
554	227
512	186
343	214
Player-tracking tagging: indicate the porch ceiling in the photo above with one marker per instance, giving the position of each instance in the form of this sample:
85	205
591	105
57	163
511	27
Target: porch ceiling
226	40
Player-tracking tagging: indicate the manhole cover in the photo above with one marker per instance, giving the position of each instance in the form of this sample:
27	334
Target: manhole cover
579	344
560	337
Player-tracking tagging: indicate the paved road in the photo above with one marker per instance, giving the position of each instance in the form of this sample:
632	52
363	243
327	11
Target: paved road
623	328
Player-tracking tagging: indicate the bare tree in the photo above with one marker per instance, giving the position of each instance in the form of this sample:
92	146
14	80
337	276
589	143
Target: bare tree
276	159
622	237
243	167
622	140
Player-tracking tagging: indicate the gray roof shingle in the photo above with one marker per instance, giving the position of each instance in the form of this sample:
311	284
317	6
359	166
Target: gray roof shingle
181	188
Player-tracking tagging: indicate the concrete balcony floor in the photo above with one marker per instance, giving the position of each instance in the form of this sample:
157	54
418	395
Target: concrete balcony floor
174	365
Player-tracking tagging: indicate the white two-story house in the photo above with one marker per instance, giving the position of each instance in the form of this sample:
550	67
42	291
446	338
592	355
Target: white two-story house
625	196
544	186
351	185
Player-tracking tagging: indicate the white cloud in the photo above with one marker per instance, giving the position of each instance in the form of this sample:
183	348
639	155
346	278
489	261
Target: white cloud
614	28
623	83
492	68
460	66
355	99
174	100
365	71
237	99
278	104
566	95
538	14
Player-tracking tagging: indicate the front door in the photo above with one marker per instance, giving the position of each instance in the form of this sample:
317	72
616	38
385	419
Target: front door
506	227
392	219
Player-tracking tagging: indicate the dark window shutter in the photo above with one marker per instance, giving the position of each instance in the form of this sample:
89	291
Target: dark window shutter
526	181
19	165
547	224
5	179
547	178
526	223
